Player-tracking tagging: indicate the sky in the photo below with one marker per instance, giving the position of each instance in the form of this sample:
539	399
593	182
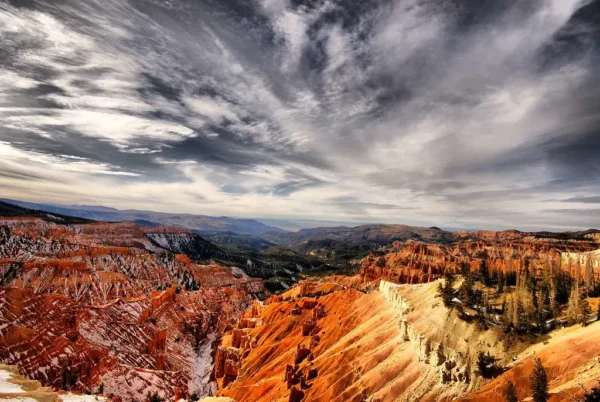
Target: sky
454	113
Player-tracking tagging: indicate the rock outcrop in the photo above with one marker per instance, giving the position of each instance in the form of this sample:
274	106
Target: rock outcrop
416	262
398	343
102	305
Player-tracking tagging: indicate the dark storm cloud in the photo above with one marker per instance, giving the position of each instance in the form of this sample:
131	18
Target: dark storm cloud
477	112
586	200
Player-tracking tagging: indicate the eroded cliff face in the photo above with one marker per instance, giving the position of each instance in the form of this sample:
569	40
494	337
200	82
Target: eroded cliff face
447	344
324	341
94	306
329	342
452	365
417	262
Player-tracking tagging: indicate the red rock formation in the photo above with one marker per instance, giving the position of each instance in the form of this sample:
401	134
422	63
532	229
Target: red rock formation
88	305
327	341
417	262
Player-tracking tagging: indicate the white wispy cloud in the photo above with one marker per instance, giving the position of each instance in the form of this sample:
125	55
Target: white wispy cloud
321	110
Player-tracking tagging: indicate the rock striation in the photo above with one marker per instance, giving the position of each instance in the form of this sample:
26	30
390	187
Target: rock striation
103	306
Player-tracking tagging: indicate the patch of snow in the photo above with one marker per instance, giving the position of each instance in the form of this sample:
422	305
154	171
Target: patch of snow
8	387
55	218
200	383
82	398
173	242
238	273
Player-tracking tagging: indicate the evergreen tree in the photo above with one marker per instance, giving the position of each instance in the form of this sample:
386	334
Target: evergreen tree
574	306
584	312
501	280
465	270
511	393
526	273
446	290
539	382
153	397
593	395
486	365
466	293
563	282
484	271
589	275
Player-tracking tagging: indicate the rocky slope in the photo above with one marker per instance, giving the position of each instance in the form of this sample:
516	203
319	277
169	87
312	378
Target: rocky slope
384	335
123	309
420	262
571	357
326	342
105	306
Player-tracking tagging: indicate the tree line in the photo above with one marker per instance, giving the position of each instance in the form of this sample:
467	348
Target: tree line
533	301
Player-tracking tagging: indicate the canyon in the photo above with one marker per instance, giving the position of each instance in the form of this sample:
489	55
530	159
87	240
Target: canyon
130	312
101	307
385	335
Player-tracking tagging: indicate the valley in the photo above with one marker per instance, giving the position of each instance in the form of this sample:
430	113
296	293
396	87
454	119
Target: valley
140	312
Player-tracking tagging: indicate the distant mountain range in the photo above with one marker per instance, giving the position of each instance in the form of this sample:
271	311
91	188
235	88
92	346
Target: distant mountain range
8	209
200	223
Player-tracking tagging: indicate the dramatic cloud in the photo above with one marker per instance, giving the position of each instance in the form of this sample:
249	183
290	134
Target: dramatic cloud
453	113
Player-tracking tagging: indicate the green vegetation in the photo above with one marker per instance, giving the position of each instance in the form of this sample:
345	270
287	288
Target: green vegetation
593	395
486	365
153	397
539	382
526	299
510	393
446	290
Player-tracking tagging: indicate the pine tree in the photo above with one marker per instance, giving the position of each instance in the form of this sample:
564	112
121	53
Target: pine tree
486	365
589	275
539	382
584	312
562	290
466	292
501	281
526	268
511	393
593	395
484	270
465	270
446	291
573	306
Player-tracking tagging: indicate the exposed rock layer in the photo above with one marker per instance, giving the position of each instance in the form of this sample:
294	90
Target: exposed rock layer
104	306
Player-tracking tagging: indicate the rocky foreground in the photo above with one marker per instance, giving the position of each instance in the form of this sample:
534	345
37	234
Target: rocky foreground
327	342
385	334
104	308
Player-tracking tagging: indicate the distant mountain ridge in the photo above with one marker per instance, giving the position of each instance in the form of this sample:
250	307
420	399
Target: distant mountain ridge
190	221
11	210
364	235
